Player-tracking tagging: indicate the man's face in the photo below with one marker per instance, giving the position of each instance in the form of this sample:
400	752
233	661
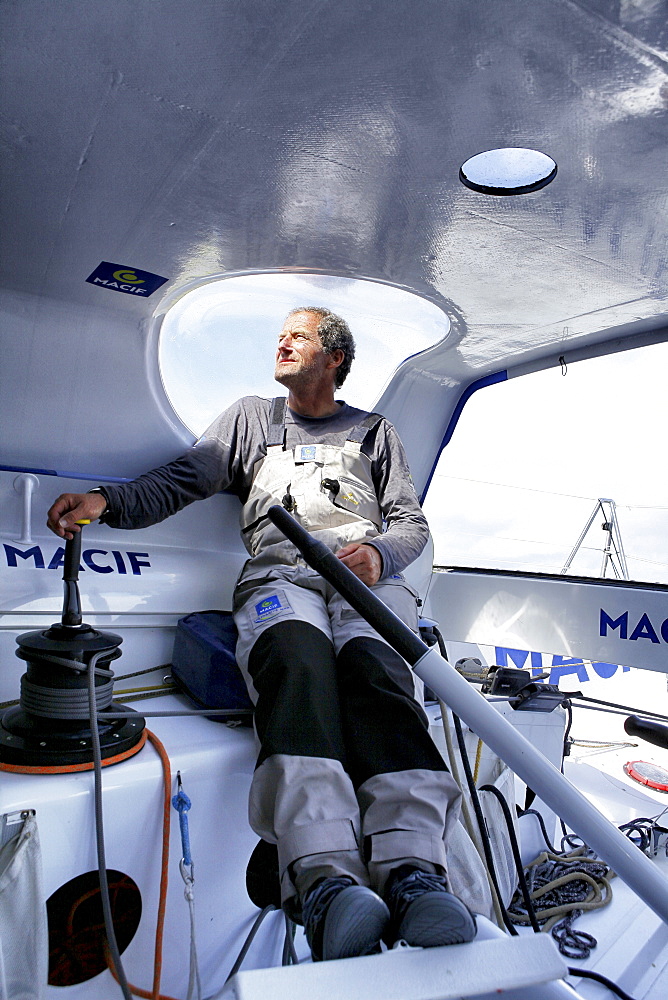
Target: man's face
300	358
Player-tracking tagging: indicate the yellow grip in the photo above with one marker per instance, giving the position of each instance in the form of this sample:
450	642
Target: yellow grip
83	520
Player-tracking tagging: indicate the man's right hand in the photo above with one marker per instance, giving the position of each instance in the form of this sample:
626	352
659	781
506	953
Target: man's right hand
72	507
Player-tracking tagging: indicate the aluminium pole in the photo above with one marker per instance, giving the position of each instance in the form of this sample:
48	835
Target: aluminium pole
633	867
617	541
581	538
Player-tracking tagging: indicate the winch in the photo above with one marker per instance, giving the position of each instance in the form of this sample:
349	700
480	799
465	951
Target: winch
50	729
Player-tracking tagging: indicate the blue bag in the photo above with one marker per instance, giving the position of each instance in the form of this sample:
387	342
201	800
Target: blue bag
203	662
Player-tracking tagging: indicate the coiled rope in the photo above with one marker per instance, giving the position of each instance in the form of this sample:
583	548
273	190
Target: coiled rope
564	887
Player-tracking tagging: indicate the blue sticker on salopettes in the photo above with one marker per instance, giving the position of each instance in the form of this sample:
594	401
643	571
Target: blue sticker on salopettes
128	280
270	607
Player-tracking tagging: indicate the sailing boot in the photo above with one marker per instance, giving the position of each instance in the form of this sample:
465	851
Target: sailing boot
423	913
343	919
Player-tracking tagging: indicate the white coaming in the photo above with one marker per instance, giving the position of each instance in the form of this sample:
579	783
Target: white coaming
216	765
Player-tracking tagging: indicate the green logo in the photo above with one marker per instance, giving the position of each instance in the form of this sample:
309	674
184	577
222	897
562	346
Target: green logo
129	277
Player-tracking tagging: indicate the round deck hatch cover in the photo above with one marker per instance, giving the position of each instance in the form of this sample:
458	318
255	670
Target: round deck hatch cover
648	774
508	171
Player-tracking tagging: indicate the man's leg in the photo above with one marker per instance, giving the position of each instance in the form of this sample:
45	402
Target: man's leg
408	800
301	798
404	789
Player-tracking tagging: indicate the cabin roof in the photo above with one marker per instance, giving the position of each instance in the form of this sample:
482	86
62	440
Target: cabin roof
203	139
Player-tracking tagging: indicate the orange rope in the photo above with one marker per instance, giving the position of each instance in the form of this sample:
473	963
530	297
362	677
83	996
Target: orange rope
164	873
133	989
155	993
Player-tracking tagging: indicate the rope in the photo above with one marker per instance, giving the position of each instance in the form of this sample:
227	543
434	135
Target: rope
235	714
249	940
644	833
601	744
194	981
598	978
475	802
573	944
115	955
135	990
153	688
146	670
62	703
477	676
155	993
289	953
515	847
478	756
164	871
471	828
182	804
613	704
569	941
77	665
545	879
541	823
567	886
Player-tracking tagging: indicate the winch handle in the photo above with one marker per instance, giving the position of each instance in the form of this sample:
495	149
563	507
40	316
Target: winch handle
647	729
71	600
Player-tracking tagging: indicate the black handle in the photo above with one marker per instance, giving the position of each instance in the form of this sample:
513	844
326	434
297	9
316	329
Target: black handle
358	595
71	600
647	729
72	557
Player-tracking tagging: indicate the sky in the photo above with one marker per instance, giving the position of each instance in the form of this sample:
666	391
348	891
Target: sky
208	331
529	458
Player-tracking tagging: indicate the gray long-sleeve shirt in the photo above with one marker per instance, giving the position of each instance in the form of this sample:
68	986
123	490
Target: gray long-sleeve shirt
225	458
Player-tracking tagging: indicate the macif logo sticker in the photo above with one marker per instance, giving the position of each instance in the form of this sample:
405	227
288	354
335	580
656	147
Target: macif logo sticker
129	280
271	607
268	608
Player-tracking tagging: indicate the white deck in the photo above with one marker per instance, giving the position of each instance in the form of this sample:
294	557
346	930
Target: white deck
216	764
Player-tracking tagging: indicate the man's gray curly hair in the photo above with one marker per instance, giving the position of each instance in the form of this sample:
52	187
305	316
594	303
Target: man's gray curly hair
334	335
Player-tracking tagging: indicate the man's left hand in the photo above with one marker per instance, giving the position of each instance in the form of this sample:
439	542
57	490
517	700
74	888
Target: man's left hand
363	560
